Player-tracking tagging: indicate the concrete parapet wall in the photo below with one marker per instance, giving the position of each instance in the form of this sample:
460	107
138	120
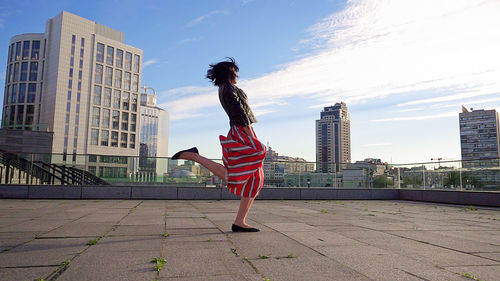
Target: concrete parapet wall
210	193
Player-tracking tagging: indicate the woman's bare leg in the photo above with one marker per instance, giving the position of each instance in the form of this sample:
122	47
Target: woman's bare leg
221	171
245	204
214	167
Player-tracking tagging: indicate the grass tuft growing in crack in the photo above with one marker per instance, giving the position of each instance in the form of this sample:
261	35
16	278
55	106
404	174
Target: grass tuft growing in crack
160	262
291	256
261	256
470	276
94	241
324	211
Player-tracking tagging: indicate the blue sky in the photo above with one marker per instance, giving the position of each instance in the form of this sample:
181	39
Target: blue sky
403	67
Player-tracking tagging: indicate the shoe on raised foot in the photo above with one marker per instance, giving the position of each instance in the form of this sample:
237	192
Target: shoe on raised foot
236	228
178	154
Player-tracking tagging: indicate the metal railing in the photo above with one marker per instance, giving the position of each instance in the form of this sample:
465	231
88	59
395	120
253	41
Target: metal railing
59	169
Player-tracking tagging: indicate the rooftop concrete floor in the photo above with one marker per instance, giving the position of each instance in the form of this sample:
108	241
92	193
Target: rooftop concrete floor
299	240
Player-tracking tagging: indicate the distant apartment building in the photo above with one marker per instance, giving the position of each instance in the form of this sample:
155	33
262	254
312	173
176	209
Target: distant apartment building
78	80
277	166
479	137
153	139
333	138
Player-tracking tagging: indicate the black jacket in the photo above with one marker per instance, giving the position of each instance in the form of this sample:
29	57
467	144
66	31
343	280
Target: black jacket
235	103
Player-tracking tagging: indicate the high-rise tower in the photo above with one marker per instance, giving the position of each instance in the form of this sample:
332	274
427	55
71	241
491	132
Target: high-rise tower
78	80
479	137
333	138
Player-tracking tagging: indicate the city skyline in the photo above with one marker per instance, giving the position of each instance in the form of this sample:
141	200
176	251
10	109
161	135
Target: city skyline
404	69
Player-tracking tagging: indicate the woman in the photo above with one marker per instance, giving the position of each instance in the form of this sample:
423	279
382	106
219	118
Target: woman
242	152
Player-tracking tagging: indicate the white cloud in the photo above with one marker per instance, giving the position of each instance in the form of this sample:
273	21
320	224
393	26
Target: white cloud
205	16
149	62
375	49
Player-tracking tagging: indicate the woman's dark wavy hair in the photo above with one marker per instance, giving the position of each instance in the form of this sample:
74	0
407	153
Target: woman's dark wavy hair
222	72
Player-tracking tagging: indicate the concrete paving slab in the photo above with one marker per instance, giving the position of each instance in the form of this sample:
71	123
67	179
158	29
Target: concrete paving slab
188	223
35	225
306	268
30	273
103	217
486	273
459	244
491	256
380	264
225	277
129	244
148	229
203	259
101	266
321	238
133	219
80	229
40	252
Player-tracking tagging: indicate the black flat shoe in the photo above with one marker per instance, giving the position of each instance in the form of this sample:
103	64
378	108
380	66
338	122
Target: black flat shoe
178	154
236	228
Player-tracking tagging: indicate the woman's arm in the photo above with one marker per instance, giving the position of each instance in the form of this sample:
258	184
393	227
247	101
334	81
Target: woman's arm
248	130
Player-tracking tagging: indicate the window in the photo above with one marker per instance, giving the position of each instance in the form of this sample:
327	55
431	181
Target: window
134	103
100	53
135	83
107	97
71	72
16	72
124	121
30	111
132	141
9	73
97	95
18	50
31	92
98	74
33	71
125	100
114	139
128	61
109	55
94	135
104	137
126	82
123	140
119	58
24	71
108	77
22	92
116	120
9	58
133	118
118	78
96	112
73	39
26	50
20	114
137	61
105	118
13	95
116	99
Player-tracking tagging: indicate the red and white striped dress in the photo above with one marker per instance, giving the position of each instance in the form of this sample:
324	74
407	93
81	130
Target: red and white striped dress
243	156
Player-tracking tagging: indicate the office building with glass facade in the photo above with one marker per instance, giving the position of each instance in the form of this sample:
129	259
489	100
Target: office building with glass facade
333	138
78	80
153	141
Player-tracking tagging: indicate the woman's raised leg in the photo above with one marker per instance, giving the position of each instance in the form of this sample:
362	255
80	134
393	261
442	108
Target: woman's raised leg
214	167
